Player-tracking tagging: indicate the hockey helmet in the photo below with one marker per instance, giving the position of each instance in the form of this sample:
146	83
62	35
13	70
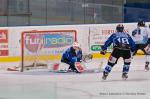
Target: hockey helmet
76	44
120	28
141	23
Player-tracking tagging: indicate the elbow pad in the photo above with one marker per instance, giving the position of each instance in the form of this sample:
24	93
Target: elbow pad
134	32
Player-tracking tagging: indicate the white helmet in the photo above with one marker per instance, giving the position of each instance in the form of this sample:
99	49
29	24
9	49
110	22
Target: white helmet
76	44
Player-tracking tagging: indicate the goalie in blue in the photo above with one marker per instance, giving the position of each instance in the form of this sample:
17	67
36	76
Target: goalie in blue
123	45
72	55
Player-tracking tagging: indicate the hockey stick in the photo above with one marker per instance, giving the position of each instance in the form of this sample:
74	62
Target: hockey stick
101	62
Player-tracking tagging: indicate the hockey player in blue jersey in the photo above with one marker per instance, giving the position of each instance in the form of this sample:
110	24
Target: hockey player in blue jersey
123	45
72	55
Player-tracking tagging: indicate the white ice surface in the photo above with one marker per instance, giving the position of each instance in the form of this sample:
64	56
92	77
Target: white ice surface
47	85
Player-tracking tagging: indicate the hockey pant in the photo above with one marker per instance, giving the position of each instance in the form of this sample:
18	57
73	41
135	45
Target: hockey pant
115	55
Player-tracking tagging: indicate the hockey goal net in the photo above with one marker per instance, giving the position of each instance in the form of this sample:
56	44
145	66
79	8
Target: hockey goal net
41	48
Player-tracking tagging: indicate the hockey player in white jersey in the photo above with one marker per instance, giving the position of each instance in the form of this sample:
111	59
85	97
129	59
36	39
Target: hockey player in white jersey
147	50
140	36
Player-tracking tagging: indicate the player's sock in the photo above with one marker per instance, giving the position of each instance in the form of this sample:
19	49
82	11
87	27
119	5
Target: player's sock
125	71
107	70
124	76
125	68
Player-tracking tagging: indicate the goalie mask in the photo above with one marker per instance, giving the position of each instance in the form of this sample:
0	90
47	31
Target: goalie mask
76	44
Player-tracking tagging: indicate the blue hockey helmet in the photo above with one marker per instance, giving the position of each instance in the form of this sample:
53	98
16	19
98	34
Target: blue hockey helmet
120	28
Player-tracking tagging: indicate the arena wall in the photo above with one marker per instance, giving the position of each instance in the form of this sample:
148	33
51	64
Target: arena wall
90	37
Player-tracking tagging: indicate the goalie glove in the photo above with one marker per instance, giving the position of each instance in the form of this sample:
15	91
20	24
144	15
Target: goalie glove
103	52
87	57
90	56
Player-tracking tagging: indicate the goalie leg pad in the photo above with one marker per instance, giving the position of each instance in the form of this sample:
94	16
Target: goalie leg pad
79	67
58	67
63	67
53	66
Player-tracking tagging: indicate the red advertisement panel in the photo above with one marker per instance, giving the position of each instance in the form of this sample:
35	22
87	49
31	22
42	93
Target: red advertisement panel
3	42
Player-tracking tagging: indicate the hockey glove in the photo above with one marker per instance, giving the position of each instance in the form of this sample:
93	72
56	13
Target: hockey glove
147	49
148	42
103	52
134	32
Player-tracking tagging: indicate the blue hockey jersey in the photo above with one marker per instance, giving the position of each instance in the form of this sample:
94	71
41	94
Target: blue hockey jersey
121	40
70	56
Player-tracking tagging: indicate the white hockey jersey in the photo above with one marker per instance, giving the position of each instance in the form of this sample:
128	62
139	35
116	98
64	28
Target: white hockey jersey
147	48
140	35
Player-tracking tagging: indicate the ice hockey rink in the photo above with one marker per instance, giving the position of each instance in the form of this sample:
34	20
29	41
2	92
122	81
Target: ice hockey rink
47	85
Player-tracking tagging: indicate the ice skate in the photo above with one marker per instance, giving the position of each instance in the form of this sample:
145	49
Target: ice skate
124	76
146	68
104	75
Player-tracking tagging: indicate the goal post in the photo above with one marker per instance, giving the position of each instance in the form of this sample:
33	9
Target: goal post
39	48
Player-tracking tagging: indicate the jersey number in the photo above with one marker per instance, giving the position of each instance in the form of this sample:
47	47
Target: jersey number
123	40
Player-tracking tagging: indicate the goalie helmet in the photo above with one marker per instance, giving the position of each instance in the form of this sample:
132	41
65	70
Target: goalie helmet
76	44
120	28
